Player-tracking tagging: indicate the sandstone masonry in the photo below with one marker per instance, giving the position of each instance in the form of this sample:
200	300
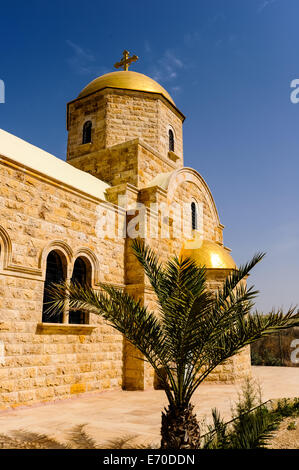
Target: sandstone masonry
129	150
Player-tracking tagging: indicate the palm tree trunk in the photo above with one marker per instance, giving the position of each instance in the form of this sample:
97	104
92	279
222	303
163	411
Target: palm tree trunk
180	428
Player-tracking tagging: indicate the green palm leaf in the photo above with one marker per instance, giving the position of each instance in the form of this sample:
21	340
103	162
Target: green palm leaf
194	329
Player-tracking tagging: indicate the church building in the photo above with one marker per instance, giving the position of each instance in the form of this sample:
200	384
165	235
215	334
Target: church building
71	220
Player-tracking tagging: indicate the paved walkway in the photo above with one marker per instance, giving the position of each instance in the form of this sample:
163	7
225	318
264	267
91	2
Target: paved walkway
112	415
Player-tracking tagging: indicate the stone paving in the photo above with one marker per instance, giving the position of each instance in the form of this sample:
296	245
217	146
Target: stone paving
112	415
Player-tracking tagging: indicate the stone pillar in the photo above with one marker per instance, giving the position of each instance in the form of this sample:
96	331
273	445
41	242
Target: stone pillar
238	367
133	367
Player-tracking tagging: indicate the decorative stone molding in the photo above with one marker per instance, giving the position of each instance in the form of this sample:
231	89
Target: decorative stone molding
16	268
6	255
91	257
61	247
64	329
186	174
173	156
5	248
47	179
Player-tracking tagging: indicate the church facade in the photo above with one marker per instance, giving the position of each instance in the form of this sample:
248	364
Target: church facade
74	220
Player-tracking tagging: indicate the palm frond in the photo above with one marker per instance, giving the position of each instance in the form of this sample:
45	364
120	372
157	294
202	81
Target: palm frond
139	325
244	330
194	331
239	275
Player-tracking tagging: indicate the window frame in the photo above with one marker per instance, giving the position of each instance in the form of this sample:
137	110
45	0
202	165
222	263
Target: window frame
87	132
194	216
84	316
171	140
49	279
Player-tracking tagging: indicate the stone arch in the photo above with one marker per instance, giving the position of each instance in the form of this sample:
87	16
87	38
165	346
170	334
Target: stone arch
170	127
55	272
64	250
89	255
82	274
5	248
184	175
87	132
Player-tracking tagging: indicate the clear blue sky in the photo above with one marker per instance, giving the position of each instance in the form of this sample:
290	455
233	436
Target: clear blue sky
228	65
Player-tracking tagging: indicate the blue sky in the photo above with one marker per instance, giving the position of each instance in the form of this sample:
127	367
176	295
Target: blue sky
228	65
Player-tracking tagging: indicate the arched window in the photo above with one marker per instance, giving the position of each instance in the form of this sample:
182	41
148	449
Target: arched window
54	274
81	275
86	137
171	140
193	216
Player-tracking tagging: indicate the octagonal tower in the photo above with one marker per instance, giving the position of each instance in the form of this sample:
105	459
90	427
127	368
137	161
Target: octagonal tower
120	108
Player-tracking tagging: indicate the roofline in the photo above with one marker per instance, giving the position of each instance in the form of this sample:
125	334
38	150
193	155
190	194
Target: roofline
9	161
123	89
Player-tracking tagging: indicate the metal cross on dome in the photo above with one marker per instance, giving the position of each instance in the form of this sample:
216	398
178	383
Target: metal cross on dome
126	61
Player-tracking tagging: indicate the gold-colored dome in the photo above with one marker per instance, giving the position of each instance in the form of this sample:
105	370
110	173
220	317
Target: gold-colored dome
209	254
127	80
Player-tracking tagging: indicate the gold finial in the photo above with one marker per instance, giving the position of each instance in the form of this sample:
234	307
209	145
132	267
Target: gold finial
126	61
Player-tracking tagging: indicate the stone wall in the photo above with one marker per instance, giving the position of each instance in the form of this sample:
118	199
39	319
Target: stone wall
92	108
47	363
118	116
140	374
129	150
132	162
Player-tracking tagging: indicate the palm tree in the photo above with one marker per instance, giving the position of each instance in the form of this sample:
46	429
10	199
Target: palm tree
194	331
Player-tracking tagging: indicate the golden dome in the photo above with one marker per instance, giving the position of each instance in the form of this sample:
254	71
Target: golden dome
127	80
209	254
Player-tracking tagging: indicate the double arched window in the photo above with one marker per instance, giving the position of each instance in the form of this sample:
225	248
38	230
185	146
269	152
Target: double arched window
86	135
56	273
171	140
193	216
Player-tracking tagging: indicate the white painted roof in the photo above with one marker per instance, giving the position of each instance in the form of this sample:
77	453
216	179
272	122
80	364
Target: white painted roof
32	157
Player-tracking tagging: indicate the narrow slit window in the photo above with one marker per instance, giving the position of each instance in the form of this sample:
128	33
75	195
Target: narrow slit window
193	216
86	137
171	140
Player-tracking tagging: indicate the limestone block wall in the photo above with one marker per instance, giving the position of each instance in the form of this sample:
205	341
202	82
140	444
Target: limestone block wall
151	164
37	216
130	117
115	165
47	366
233	370
92	108
118	116
238	367
140	375
167	120
187	192
184	193
132	162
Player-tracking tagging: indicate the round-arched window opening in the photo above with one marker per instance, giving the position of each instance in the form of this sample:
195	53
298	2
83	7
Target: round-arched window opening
81	275
86	135
193	216
171	140
54	275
